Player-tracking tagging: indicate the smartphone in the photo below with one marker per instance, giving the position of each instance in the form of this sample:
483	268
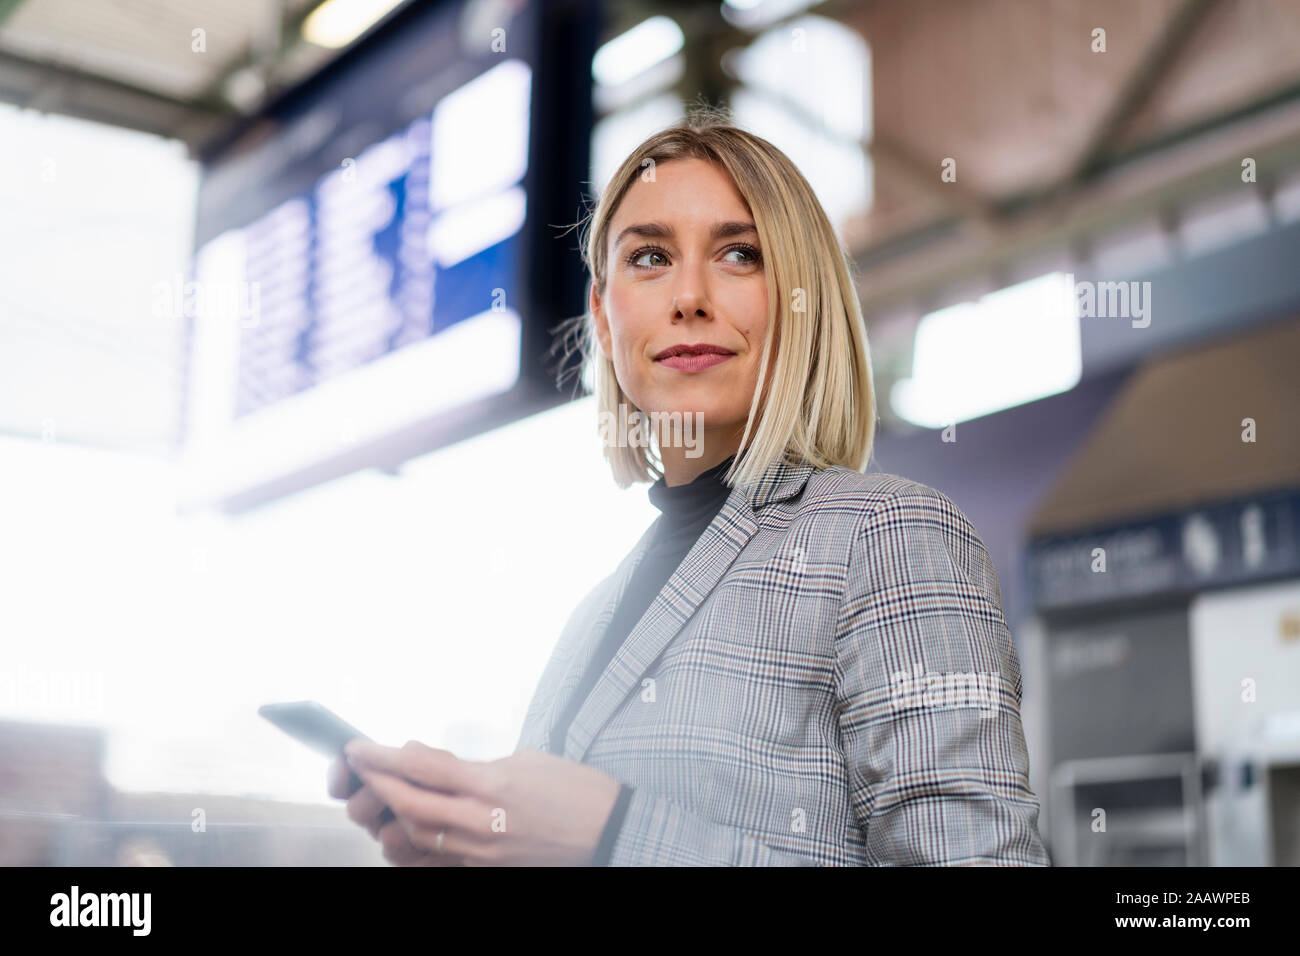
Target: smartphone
316	726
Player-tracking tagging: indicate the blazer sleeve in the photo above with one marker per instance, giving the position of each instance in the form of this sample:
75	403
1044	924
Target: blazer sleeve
928	693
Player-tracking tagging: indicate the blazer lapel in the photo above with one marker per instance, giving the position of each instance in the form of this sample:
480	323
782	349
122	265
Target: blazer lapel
606	605
686	588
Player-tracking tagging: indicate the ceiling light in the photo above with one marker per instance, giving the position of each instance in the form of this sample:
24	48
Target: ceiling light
632	53
1013	346
336	23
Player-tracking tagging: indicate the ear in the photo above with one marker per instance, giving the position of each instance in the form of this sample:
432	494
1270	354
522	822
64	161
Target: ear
597	307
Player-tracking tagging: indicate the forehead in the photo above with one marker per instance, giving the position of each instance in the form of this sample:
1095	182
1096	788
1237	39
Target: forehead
684	193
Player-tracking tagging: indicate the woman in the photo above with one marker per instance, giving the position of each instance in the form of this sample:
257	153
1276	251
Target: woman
798	663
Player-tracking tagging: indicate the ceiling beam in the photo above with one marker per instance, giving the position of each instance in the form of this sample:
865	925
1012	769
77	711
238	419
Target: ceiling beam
910	265
67	79
1153	67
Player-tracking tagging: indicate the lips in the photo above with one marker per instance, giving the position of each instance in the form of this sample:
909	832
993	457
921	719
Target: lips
688	362
699	348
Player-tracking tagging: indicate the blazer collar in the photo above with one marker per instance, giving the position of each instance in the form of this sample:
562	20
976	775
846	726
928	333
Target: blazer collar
687	587
781	480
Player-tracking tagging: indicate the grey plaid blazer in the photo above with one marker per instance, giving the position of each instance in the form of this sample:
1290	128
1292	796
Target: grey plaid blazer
827	679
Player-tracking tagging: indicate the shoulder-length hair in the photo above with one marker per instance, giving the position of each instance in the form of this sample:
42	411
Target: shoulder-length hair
818	402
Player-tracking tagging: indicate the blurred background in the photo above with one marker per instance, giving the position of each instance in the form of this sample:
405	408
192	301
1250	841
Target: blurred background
277	419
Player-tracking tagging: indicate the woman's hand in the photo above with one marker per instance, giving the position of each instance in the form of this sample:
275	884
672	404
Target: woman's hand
528	809
366	809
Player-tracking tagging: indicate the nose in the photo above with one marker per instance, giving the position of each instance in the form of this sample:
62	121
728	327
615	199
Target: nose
690	301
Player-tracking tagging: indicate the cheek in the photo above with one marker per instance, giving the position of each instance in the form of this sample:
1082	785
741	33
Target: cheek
753	305
630	322
627	318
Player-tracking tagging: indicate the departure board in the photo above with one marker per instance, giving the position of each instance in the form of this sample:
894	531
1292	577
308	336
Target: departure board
417	232
379	259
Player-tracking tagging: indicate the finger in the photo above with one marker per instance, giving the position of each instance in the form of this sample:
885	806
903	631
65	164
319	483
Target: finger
426	808
400	851
341	782
470	848
369	753
365	808
427	766
386	816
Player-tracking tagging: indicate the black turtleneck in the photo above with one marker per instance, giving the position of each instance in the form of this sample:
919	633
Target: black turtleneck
686	510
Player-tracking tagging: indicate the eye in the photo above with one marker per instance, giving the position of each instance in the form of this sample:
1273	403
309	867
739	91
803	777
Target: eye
647	252
751	255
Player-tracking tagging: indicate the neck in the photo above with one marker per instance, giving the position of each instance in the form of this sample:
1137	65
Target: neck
713	449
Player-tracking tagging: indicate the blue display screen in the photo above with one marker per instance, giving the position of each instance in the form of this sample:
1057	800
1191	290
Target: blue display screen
365	264
388	207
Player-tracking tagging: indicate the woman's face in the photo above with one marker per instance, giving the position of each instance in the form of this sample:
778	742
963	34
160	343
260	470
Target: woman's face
685	269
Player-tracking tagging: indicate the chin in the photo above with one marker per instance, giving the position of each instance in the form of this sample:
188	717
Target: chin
684	405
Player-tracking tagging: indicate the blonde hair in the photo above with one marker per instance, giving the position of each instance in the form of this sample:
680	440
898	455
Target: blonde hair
818	406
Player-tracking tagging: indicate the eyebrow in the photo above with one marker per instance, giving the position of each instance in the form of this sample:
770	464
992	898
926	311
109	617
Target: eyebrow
659	230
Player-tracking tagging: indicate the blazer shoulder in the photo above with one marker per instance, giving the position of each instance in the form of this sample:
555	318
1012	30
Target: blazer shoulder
899	508
861	496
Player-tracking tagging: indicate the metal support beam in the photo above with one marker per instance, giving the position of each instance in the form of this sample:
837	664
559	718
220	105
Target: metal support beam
1153	67
50	72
